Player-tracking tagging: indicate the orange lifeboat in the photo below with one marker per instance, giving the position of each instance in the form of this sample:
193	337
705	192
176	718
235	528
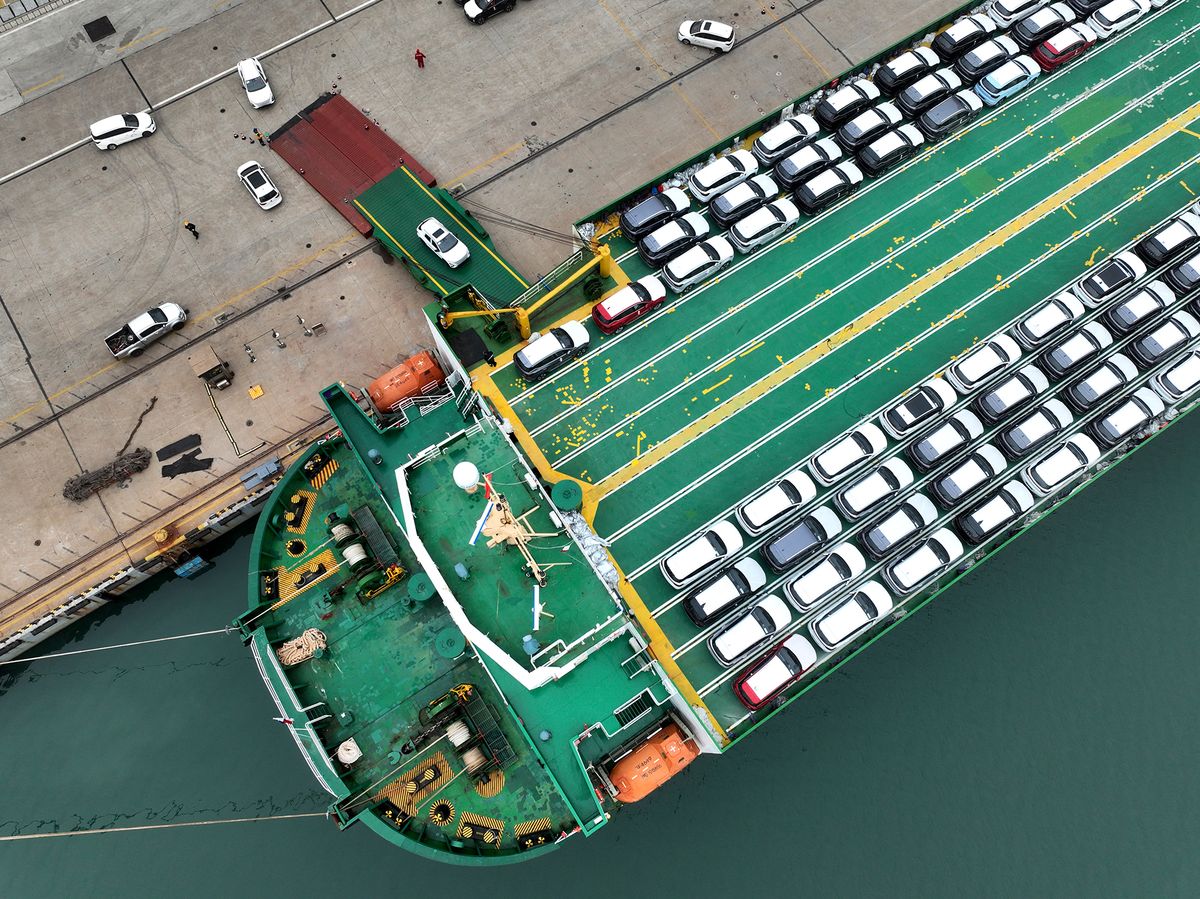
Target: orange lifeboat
652	764
410	378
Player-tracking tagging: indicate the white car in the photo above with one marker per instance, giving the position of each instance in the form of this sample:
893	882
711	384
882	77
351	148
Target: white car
254	80
897	74
868	125
1117	16
880	485
1012	393
785	138
910	518
1002	508
764	225
1036	428
810	159
1008	12
260	185
725	592
722	174
928	91
1048	319
548	352
707	33
1062	465
699	556
925	562
969	476
845	103
1060	359
1170	239
841	566
673	238
946	439
442	243
1137	411
109	133
1111	375
1008	79
853	616
735	641
742	199
1177	331
925	403
983	363
699	263
1109	277
1129	314
771	676
848	453
789	493
1181	379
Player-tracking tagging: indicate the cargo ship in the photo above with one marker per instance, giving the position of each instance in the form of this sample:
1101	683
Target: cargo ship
605	525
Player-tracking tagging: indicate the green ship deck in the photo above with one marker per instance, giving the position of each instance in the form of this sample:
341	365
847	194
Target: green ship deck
678	418
666	427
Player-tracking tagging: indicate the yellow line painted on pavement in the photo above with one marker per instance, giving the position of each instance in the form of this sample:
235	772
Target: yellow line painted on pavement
145	37
696	111
1190	131
799	43
865	322
235	298
388	235
665	74
458	179
282	273
38	87
470	232
1066	207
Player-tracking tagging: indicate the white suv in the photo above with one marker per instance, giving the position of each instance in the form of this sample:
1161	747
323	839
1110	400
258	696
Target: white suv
111	132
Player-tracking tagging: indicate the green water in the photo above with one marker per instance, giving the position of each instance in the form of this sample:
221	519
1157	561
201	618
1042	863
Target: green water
1031	733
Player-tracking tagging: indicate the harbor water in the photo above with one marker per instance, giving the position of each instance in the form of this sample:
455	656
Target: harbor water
1030	733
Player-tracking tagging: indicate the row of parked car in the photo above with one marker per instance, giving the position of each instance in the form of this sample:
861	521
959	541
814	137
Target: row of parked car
870	125
818	158
1000	383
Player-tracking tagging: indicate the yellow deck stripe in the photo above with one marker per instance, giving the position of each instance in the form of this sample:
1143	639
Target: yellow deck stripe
935	276
388	233
470	232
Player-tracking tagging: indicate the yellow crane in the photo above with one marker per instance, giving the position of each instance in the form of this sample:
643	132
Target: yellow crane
602	261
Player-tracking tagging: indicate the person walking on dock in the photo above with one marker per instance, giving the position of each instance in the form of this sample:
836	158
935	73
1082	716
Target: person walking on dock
192	228
420	58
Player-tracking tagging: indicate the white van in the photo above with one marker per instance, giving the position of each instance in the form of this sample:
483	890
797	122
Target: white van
109	133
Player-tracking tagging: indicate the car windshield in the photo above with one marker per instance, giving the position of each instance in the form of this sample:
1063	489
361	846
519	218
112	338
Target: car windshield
256	178
698	27
157	316
255	84
130	120
447	242
270	195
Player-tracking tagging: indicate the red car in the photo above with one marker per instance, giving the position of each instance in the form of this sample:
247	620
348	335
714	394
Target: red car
774	672
1068	44
628	304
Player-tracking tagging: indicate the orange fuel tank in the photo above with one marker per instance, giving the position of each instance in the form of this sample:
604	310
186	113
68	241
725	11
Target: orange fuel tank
409	378
652	764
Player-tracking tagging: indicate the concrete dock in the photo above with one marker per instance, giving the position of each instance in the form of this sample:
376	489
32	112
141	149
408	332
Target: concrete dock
543	114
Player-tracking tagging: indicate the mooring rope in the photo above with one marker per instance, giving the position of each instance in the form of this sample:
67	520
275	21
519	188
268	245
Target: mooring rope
20	660
80	833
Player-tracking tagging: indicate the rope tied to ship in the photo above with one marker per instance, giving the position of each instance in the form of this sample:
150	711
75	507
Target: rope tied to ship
302	648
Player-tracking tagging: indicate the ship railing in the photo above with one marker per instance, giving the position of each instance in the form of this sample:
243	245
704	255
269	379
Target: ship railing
551	279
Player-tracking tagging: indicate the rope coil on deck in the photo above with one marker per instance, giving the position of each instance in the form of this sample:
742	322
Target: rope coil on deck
302	648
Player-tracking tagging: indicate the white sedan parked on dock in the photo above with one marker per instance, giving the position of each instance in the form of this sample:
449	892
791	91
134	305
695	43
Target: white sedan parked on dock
442	243
707	33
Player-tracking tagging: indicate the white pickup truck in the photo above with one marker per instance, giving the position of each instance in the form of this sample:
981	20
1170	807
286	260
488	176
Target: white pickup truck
145	329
